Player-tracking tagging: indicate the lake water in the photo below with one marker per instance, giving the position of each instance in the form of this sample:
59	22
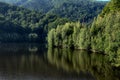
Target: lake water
35	62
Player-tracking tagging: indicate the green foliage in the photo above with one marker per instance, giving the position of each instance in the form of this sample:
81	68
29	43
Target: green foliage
51	38
78	10
103	36
84	39
111	7
38	5
75	10
71	35
31	22
105	32
115	5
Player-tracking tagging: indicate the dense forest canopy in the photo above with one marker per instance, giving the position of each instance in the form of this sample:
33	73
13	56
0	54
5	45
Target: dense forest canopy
79	10
82	10
91	25
113	6
36	24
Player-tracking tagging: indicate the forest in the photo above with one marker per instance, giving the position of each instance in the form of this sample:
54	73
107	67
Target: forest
102	36
75	24
35	24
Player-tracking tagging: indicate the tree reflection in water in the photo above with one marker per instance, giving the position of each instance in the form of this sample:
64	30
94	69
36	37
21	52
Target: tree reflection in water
82	61
34	61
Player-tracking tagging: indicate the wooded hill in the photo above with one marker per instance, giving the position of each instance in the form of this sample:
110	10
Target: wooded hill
75	10
102	36
34	25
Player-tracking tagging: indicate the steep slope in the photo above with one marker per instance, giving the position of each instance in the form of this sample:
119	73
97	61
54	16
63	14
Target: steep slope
105	31
112	6
107	26
103	36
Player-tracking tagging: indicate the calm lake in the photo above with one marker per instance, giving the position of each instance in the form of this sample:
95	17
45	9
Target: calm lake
35	62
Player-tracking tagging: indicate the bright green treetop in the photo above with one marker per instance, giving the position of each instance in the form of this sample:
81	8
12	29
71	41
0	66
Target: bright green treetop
112	6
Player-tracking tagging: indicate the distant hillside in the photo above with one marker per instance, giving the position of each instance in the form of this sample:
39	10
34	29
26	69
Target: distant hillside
10	1
39	5
75	10
79	10
16	21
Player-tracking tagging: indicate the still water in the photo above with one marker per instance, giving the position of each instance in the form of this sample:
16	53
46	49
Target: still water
35	62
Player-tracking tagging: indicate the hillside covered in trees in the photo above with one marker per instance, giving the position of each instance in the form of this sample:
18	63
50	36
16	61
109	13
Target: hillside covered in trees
102	36
36	24
75	10
79	10
60	39
16	21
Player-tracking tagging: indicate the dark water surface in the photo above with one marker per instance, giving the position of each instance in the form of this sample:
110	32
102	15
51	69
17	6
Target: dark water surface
35	62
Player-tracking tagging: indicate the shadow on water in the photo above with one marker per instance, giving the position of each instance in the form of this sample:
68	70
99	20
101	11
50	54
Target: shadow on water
35	62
